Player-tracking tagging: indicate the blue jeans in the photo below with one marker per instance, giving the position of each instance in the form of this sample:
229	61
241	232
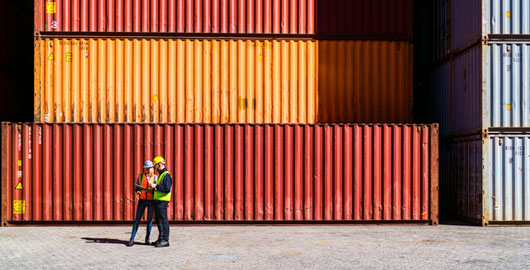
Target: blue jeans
142	204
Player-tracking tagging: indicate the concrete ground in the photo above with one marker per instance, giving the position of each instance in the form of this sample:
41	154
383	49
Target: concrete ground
269	247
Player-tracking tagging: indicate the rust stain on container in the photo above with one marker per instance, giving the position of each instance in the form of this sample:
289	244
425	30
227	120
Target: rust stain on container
222	81
84	172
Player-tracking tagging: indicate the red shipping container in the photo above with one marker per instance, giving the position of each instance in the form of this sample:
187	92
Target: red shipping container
176	16
377	19
63	173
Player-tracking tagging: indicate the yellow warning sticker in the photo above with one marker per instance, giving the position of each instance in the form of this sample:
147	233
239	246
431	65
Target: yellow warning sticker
51	57
509	107
19	207
20	163
508	14
50	7
68	57
19	185
155	98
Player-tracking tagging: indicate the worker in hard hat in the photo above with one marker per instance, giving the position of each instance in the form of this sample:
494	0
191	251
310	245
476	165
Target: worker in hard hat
146	194
162	196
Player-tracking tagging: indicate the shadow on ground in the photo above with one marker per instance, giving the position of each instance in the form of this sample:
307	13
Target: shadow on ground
455	222
106	241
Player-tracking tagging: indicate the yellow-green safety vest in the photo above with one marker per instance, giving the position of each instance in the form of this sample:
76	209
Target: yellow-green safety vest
160	196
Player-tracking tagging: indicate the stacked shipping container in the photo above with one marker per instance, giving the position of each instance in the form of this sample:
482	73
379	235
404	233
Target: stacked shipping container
127	69
289	57
357	19
222	81
483	98
274	172
15	59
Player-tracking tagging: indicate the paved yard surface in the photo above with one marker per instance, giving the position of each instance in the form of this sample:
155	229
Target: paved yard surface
269	247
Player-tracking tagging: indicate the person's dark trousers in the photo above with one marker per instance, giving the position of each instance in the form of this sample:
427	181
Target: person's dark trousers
142	204
161	220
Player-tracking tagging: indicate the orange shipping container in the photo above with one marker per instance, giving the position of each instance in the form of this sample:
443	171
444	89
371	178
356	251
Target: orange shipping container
365	81
221	81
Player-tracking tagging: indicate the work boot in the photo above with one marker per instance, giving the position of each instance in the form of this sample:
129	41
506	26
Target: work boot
131	242
162	243
156	242
147	241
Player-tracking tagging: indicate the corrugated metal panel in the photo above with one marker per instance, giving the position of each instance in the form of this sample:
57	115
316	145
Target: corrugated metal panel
461	181
447	197
158	80
467	92
489	178
381	19
440	83
84	172
360	18
508	100
508	167
466	23
219	81
503	71
467	167
365	81
475	19
177	16
442	29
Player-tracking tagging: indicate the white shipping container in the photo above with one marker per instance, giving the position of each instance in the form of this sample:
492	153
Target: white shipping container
489	179
491	88
473	20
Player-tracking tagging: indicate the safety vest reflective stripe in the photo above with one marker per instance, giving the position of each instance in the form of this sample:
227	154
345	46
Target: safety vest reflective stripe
145	194
160	195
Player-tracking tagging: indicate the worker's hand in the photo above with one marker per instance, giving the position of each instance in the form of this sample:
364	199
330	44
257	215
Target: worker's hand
153	185
138	192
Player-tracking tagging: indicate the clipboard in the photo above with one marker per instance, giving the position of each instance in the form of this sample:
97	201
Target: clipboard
140	187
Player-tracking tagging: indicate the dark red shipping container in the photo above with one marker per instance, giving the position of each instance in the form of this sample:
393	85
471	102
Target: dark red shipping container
60	173
378	19
16	62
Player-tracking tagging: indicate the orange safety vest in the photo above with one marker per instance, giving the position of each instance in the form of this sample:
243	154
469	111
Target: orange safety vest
145	194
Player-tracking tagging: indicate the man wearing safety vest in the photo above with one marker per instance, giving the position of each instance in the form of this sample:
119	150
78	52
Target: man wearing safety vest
162	196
